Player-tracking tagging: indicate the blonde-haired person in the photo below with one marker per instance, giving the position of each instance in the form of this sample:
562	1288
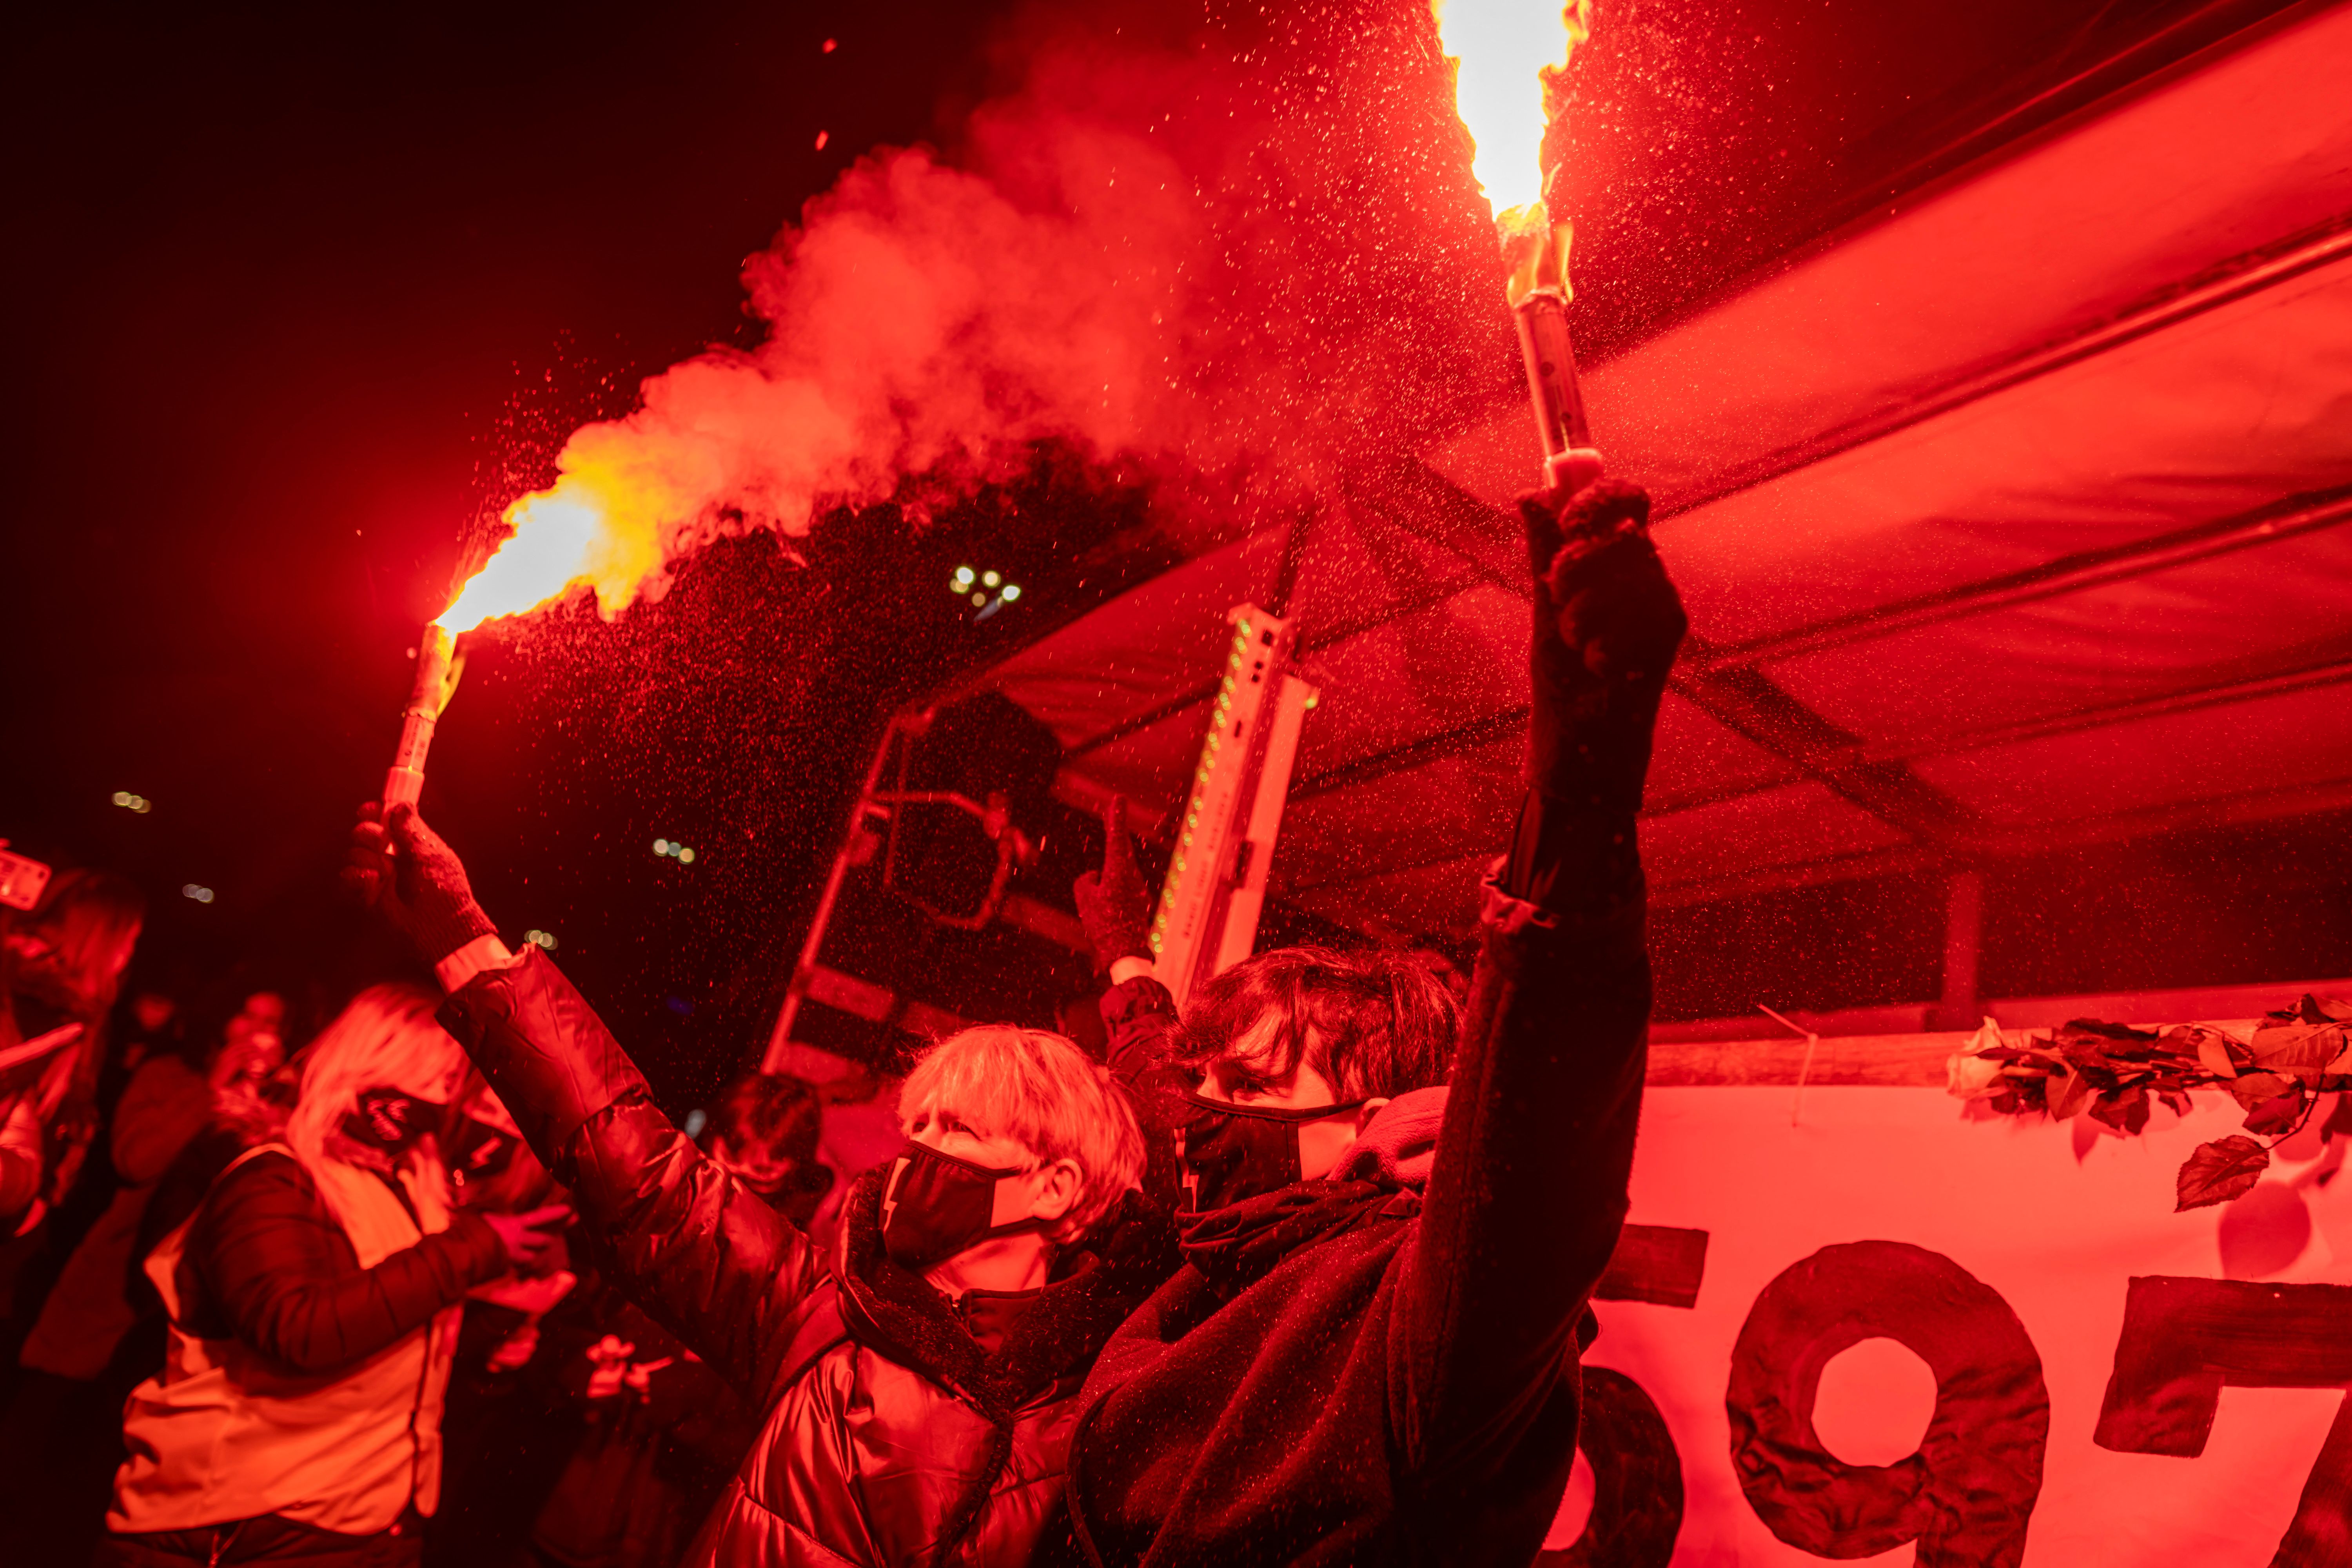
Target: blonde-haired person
920	1383
313	1299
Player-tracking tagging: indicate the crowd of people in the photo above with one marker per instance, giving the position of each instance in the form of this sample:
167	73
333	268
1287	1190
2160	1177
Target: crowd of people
1297	1274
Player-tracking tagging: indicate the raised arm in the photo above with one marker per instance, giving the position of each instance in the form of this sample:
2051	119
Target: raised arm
1529	1191
688	1242
1137	1013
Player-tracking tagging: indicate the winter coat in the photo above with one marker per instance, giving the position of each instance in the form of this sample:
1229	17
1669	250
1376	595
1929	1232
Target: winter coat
901	1428
1360	1370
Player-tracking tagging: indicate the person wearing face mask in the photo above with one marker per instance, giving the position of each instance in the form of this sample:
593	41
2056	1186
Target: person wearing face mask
1395	1214
763	1130
313	1300
919	1384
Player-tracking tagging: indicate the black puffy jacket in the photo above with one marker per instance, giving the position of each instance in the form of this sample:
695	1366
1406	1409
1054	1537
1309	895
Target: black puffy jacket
901	1428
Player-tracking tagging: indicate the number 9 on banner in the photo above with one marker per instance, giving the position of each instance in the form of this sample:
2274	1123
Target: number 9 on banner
1967	1494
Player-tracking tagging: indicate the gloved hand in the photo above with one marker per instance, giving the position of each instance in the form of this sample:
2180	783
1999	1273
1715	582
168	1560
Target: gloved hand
1607	623
404	870
529	1239
1113	906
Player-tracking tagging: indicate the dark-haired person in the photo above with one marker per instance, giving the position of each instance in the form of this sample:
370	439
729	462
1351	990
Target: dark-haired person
920	1391
762	1131
1371	1354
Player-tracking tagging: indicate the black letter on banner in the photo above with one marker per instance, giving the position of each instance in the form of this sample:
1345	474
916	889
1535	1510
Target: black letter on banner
2184	1339
1637	1472
1637	1480
1966	1495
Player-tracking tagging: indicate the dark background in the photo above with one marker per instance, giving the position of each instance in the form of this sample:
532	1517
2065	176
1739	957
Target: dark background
294	297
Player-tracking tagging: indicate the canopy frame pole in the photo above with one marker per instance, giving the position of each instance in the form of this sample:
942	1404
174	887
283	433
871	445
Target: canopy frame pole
1963	947
805	970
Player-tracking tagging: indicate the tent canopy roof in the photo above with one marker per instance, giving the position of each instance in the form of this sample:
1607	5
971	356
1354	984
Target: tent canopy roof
2008	517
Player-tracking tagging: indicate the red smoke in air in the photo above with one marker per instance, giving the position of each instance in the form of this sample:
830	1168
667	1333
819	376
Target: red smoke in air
1235	262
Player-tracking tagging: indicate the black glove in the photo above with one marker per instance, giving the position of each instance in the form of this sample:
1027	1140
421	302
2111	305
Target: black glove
404	870
1607	623
1115	907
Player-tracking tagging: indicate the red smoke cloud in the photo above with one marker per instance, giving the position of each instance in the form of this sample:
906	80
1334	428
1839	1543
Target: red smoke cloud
1235	261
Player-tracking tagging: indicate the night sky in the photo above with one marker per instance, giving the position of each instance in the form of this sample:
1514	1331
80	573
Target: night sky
296	297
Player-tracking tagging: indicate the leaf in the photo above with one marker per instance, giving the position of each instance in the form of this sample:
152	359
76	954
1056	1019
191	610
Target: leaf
2276	1115
2217	1172
2068	1095
2323	1010
2298	1047
2175	1101
2252	1088
2126	1112
2339	1120
2214	1050
2088	1057
2107	1031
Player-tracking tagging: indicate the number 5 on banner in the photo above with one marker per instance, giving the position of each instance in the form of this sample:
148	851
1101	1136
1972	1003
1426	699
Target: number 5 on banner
1637	1474
2184	1340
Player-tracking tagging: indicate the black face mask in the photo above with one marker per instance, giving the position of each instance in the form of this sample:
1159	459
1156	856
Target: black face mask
936	1205
1234	1152
392	1120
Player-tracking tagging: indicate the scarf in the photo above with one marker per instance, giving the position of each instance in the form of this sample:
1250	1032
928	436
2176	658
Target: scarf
1378	1180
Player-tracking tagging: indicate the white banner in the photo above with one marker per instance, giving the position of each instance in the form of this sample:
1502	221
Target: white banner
1908	1342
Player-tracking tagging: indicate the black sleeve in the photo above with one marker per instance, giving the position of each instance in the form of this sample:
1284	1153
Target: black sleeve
279	1272
1138	1017
695	1247
1527	1193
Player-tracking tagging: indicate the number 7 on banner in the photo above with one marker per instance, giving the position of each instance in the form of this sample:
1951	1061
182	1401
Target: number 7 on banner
2185	1340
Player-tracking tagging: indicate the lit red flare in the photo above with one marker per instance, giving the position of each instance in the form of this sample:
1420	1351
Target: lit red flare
1510	61
1510	64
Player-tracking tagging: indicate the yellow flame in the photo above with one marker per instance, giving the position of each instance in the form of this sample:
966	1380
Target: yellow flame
592	529
1508	57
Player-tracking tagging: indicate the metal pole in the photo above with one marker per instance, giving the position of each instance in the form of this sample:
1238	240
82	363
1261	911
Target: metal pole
772	1059
1963	939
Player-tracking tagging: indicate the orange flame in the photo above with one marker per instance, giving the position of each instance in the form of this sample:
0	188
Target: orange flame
1509	58
591	529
